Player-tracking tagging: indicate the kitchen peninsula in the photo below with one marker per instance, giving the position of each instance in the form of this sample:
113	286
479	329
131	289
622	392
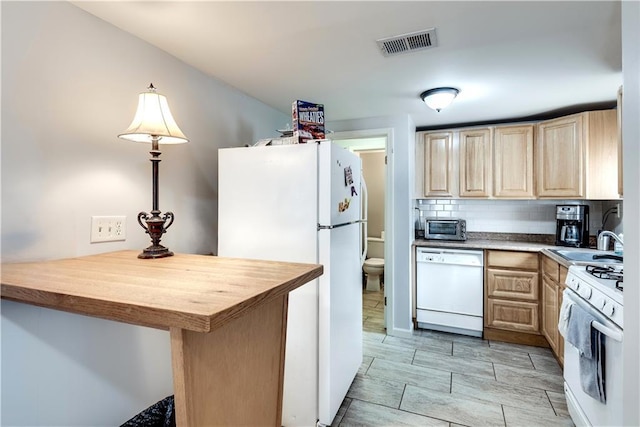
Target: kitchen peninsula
226	318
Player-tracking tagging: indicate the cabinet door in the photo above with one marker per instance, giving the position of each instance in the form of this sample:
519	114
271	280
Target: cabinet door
560	165
602	155
550	311
619	121
475	163
513	162
512	315
438	163
521	285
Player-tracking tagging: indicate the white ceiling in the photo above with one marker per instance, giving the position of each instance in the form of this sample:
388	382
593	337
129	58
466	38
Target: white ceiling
509	59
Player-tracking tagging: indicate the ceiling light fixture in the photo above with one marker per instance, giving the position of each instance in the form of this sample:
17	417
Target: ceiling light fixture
440	97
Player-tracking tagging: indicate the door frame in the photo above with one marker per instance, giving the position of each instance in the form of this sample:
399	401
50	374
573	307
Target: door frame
387	134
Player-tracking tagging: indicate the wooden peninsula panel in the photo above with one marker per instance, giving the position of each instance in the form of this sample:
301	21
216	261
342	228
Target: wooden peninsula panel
226	316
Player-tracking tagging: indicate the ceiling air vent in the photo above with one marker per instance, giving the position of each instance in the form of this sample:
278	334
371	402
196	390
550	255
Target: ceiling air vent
406	43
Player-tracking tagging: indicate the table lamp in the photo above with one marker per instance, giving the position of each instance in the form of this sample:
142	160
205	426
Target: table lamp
154	123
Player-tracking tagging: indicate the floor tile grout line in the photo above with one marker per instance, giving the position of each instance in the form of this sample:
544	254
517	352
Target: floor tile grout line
504	417
546	392
423	415
531	359
404	389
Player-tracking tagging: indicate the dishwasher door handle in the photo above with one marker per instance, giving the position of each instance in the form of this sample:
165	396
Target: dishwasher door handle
462	264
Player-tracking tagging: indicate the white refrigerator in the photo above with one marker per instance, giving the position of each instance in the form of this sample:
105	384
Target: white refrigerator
303	203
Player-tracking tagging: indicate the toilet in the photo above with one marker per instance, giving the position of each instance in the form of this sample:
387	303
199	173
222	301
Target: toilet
374	264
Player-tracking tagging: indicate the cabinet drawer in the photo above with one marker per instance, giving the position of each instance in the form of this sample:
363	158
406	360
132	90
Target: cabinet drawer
522	285
511	259
551	268
512	315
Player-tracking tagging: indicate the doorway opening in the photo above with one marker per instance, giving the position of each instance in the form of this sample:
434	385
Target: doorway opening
372	147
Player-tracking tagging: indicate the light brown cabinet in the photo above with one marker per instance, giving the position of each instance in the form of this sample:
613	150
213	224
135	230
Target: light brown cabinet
572	157
619	122
513	162
553	278
560	167
512	292
438	164
577	156
475	162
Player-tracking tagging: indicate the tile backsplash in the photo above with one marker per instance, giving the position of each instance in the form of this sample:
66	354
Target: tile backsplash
508	216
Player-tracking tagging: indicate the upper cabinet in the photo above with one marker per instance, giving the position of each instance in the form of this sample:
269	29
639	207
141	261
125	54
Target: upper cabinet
577	156
513	162
475	163
560	167
438	164
572	157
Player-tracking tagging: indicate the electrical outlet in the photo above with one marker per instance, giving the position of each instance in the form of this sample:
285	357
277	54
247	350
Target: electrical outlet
108	228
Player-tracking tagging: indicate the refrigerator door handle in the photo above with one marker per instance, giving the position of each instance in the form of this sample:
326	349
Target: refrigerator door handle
344	224
365	209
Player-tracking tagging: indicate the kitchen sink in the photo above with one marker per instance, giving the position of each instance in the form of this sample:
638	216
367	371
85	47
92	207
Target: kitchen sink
588	256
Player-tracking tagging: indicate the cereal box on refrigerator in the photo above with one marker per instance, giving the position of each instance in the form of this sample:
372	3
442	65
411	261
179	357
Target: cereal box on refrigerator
308	121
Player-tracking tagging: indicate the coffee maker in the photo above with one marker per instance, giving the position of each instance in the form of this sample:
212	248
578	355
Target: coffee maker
572	225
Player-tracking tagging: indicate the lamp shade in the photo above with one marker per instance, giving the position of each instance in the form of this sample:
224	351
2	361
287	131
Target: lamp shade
153	119
439	98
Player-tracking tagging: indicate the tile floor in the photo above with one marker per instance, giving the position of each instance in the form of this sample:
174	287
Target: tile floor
440	379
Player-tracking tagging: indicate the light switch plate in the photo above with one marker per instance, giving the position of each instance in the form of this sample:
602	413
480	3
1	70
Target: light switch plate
108	228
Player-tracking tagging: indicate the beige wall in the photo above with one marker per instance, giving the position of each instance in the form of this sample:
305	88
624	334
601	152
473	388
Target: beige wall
374	173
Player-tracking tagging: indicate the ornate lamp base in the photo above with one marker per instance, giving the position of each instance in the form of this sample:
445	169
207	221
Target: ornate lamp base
155	252
155	228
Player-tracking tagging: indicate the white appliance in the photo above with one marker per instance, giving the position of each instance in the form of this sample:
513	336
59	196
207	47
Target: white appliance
449	290
598	290
302	203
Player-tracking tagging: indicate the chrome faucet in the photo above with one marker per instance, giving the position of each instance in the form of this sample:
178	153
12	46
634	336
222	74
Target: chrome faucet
603	243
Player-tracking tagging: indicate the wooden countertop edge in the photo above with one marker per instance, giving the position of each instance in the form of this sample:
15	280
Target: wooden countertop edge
154	317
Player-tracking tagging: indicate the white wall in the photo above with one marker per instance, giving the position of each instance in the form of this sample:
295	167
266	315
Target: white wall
69	85
631	141
399	234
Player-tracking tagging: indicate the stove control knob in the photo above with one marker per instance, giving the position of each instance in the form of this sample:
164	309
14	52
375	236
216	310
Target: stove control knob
608	309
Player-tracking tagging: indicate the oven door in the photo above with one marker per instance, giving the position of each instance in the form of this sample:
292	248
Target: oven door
584	410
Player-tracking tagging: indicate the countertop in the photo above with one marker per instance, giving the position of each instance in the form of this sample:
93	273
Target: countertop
504	245
497	244
193	292
497	241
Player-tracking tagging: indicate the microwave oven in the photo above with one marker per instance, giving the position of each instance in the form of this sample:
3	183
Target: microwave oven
445	229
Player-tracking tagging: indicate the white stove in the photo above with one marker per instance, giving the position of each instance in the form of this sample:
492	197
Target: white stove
601	286
597	290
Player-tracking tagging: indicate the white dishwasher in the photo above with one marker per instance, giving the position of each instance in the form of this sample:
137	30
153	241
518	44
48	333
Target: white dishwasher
449	290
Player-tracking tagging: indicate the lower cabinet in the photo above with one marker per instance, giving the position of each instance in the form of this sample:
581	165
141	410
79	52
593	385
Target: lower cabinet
553	278
512	294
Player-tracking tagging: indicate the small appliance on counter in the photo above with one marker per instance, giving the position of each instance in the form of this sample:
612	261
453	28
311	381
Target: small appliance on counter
572	225
445	229
419	225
